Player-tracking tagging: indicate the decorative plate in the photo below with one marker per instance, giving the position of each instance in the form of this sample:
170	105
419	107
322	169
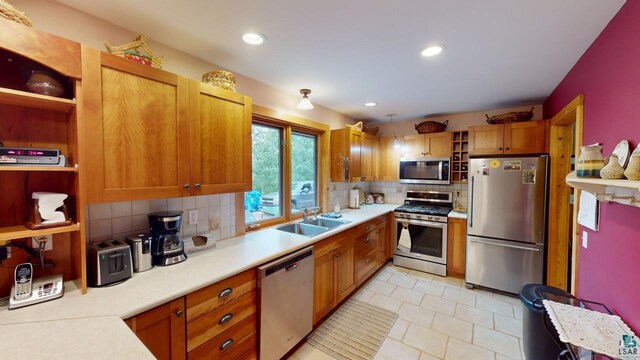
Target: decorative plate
622	150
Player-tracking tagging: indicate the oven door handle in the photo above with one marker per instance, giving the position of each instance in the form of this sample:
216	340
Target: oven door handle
424	223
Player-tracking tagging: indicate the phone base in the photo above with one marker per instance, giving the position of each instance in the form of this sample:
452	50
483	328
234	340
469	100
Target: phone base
44	289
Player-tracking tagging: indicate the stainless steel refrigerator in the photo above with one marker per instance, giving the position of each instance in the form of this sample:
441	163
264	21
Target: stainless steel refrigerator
506	225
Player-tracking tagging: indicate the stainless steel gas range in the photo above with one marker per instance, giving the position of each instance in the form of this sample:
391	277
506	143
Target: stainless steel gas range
421	231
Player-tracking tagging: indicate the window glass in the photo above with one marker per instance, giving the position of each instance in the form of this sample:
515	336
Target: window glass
264	201
303	171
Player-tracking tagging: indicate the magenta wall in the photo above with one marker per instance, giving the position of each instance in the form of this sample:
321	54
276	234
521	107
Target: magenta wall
608	75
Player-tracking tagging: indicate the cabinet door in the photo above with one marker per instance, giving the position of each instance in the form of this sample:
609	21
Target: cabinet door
456	247
324	289
486	140
355	168
413	146
524	138
220	140
375	161
345	257
162	330
439	144
136	129
389	160
366	151
383	238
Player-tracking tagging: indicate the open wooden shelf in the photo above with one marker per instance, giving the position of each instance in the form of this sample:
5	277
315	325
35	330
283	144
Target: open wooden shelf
20	232
35	101
73	169
622	191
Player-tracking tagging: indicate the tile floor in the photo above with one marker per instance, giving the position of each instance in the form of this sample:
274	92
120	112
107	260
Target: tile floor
439	319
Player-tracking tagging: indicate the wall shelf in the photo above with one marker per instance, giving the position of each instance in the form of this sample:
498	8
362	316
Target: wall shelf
20	232
35	101
621	191
73	169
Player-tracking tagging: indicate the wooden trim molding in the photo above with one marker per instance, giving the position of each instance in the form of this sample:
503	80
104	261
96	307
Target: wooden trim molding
565	140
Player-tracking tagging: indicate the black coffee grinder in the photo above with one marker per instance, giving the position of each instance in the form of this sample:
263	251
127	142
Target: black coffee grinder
166	246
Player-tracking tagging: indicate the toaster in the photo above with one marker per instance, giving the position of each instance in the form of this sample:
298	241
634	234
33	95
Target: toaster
109	263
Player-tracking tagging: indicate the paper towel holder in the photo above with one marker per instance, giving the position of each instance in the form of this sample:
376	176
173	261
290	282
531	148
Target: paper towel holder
35	221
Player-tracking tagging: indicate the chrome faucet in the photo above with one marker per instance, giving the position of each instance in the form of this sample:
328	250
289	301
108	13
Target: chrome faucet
310	210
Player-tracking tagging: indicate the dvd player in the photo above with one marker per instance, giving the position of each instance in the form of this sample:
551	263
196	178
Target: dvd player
29	156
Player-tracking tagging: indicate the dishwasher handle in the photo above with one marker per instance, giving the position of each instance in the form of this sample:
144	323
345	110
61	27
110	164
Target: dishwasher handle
288	263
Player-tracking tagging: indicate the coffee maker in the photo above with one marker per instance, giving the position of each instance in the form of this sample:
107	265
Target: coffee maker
166	246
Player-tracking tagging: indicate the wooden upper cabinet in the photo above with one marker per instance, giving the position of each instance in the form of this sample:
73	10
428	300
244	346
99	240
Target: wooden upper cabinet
524	137
514	139
389	159
360	148
136	127
436	145
220	140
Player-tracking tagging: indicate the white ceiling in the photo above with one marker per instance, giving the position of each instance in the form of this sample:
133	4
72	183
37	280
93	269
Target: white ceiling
499	53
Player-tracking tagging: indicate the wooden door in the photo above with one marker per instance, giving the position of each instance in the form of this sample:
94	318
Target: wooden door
456	247
345	257
524	138
324	289
375	159
486	140
163	330
355	142
366	151
389	160
220	140
439	144
136	128
413	146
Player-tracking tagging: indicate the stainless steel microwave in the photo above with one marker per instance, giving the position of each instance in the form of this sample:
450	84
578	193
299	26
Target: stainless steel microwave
430	170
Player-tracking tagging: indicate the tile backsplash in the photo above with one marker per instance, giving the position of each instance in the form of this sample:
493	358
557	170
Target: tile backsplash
216	216
393	191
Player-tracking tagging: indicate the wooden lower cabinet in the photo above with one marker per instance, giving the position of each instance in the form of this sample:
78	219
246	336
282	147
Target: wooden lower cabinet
162	330
345	261
456	247
222	320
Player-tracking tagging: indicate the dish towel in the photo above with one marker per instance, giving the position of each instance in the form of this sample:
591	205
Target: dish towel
404	243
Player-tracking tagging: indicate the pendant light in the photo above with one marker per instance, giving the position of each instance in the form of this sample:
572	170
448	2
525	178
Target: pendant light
305	103
396	143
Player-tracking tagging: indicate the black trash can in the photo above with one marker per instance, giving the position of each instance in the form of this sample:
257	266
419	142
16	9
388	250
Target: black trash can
538	342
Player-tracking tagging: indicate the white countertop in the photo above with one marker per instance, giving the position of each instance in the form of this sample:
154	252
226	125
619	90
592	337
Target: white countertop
105	337
458	215
149	289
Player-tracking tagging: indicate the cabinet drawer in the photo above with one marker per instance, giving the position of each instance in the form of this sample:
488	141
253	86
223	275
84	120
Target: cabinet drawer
215	322
369	225
369	241
366	265
234	343
214	296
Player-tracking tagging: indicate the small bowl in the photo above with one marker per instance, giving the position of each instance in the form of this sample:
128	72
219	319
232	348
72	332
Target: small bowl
41	82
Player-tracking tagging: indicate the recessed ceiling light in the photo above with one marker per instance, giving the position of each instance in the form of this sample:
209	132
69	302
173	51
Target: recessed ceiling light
432	50
370	104
253	38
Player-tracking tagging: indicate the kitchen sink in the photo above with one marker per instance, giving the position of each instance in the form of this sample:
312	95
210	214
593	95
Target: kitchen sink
303	229
328	223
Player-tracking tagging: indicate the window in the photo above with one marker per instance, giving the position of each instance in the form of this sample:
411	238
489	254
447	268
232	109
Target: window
284	170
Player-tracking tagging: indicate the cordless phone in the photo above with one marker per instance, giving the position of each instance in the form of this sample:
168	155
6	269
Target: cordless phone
23	276
27	290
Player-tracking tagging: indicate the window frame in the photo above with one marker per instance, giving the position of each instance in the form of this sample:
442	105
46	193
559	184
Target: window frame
289	124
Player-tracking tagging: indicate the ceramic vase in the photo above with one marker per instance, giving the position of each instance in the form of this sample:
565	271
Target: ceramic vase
590	161
633	169
42	82
612	170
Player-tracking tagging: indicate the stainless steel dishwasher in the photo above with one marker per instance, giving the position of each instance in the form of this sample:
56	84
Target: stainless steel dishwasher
286	303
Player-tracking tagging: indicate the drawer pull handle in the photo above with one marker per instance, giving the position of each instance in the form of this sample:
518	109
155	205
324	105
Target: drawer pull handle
367	260
225	345
368	239
198	186
186	186
178	313
226	292
225	319
368	227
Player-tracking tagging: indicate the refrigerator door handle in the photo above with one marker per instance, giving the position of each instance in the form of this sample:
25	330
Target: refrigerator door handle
471	203
505	245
